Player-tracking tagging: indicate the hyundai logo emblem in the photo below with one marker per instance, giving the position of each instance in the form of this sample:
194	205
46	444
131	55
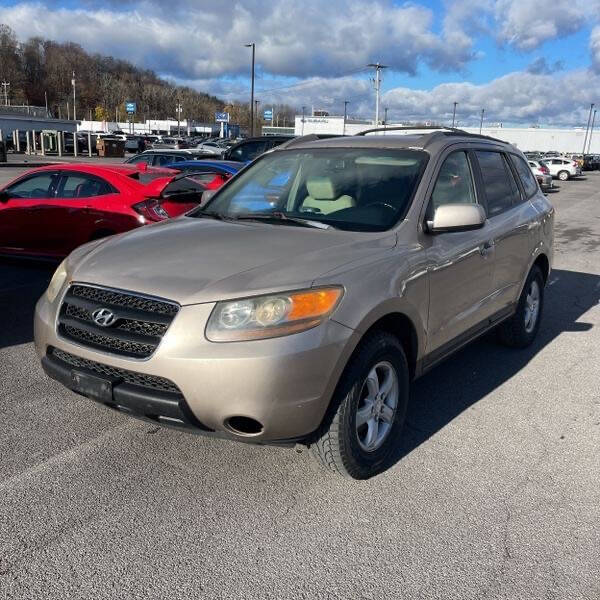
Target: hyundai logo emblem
104	317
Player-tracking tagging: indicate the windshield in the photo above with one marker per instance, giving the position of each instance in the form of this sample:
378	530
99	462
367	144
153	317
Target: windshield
358	189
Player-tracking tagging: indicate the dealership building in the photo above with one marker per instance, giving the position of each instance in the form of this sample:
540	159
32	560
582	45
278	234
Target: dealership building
524	138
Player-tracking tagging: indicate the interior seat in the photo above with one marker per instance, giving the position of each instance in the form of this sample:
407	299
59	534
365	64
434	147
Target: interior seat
322	195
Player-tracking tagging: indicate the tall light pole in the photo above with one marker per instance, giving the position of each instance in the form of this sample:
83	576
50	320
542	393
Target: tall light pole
303	110
46	101
253	46
377	81
385	116
74	98
591	131
454	115
256	103
481	122
346	102
178	109
5	86
587	129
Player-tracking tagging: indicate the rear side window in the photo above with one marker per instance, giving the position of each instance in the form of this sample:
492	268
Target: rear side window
80	185
500	188
525	175
249	151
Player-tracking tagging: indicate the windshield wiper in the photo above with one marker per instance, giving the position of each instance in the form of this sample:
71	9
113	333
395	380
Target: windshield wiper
279	217
214	215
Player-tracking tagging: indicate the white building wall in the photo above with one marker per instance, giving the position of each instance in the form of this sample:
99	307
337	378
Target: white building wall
561	140
149	125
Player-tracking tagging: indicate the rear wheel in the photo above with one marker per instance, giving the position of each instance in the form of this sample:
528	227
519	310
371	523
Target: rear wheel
520	330
563	175
362	429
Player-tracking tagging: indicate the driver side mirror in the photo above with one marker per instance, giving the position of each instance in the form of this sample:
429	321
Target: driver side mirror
4	196
457	217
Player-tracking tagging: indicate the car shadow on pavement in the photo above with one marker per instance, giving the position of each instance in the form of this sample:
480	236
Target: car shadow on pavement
21	284
471	374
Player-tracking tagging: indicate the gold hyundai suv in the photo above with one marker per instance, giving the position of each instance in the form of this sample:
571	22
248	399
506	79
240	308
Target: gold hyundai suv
297	304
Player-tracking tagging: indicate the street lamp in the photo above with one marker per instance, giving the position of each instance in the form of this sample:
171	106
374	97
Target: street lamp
454	115
346	102
253	46
587	128
256	103
74	98
481	122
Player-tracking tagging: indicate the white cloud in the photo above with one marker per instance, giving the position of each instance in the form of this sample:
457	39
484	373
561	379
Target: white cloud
595	48
518	97
300	39
526	24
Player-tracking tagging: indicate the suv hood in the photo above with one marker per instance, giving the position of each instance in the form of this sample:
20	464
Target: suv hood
195	260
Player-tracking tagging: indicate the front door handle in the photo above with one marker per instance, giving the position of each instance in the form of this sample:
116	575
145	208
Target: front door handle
486	248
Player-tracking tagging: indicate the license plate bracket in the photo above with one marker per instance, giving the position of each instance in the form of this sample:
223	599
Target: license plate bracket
97	388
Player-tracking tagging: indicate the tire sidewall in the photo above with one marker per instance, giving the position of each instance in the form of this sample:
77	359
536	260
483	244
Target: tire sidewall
563	175
361	462
535	274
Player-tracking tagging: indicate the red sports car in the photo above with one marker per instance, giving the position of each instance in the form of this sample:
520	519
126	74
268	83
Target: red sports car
51	210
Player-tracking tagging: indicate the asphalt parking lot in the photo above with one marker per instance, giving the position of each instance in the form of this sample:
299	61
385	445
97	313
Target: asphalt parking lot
497	495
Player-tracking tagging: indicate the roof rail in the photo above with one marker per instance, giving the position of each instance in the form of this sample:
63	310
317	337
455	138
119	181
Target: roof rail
411	128
441	129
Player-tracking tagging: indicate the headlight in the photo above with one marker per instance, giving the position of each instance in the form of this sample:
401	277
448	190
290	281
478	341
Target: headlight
57	281
271	316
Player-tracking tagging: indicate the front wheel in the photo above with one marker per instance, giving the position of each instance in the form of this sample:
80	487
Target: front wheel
520	330
563	175
363	426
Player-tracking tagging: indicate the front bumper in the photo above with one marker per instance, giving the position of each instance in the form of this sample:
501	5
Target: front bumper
285	384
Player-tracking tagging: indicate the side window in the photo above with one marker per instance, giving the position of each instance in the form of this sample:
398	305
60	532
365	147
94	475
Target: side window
162	159
141	158
454	183
527	179
79	185
36	186
500	188
249	151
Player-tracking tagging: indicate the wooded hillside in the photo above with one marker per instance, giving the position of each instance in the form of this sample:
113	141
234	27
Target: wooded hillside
103	84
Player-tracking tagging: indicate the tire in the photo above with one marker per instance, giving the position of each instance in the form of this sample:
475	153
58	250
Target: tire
519	331
358	452
563	175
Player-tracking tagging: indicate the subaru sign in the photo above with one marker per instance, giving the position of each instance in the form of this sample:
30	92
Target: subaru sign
130	108
268	114
222	117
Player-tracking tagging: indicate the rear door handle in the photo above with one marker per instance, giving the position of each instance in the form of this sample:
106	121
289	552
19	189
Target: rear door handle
486	248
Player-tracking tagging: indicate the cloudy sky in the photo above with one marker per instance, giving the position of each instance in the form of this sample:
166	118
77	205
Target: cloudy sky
524	61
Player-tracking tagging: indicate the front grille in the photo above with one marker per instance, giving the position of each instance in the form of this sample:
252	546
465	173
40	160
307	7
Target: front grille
138	379
137	330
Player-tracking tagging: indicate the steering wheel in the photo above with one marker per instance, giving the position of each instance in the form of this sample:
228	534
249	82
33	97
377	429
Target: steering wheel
384	204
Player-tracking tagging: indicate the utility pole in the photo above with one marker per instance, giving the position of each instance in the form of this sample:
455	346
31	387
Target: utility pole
454	114
481	122
385	116
591	131
74	98
303	110
46	101
253	46
377	81
346	102
587	128
5	85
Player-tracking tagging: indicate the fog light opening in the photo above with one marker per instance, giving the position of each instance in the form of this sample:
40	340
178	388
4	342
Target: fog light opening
243	425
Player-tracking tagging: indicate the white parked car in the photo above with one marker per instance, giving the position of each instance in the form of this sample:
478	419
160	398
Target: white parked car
213	147
541	172
562	168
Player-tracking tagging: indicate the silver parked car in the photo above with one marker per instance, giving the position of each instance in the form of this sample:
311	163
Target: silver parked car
299	303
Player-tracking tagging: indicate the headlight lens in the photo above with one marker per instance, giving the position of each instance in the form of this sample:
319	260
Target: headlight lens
271	316
59	277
